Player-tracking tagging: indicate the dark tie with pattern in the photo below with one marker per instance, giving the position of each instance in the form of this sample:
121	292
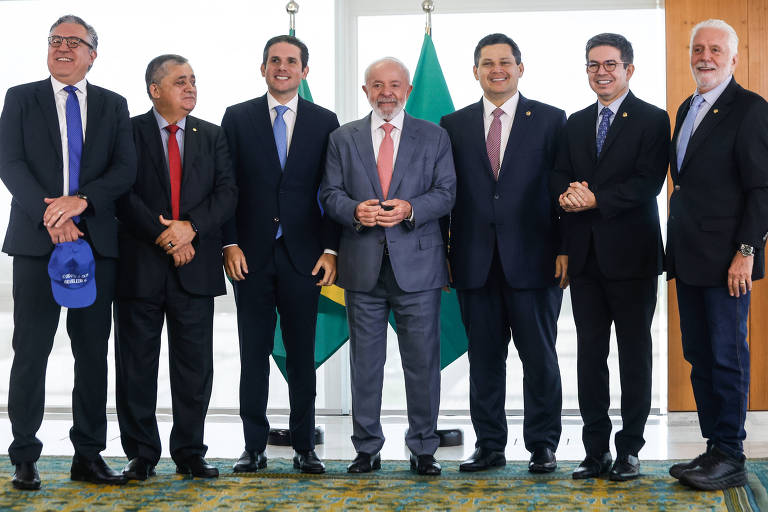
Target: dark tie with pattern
493	142
602	130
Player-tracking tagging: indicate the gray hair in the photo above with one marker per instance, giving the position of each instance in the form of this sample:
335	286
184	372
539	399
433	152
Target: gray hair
386	59
157	69
71	18
733	38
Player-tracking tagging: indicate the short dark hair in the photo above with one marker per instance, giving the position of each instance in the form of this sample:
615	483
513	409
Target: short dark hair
617	41
295	41
71	18
156	69
498	39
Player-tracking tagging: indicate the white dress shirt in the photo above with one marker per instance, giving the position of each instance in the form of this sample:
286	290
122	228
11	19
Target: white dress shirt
377	133
60	96
507	119
614	108
289	116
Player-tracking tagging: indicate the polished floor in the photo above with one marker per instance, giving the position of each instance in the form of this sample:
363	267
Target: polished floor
671	436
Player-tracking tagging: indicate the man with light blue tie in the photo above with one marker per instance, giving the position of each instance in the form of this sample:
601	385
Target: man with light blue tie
66	155
610	167
279	248
718	223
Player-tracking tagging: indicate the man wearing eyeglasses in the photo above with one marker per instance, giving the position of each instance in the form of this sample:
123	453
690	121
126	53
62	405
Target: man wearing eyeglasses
718	223
66	155
610	167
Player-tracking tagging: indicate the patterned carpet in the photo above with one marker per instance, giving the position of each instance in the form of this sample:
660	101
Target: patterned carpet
394	488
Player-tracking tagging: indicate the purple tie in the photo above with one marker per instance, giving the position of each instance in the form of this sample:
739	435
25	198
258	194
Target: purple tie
493	143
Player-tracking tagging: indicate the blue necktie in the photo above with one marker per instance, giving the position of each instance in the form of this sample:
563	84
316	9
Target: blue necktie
74	140
684	137
602	130
281	141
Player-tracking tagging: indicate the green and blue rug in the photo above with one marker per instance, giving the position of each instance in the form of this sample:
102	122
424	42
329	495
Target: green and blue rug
395	488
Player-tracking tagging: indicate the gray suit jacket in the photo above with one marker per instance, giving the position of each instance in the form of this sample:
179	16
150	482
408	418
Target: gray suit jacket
423	175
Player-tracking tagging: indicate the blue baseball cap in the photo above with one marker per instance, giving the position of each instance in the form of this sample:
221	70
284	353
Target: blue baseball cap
72	270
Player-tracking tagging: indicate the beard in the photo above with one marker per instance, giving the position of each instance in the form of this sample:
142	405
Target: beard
396	107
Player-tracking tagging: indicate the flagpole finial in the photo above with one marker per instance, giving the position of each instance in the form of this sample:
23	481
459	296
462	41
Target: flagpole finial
428	6
292	8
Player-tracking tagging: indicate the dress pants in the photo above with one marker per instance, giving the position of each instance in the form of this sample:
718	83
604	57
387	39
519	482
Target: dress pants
628	304
714	329
490	314
277	286
138	328
417	316
36	318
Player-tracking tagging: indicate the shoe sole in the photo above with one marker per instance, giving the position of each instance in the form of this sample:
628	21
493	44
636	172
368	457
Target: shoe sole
374	467
738	480
187	471
495	464
25	486
619	478
542	469
578	476
83	478
235	469
309	471
416	470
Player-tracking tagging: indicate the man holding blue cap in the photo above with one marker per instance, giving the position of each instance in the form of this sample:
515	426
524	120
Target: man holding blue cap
66	155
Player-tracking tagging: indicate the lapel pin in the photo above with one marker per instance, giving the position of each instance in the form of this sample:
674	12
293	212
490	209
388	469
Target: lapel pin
716	111
624	114
528	113
194	129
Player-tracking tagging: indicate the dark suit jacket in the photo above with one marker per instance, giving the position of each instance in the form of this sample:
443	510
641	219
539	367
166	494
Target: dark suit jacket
720	197
515	213
31	165
269	195
207	199
423	175
625	179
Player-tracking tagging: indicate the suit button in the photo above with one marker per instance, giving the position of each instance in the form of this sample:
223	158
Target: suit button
276	220
677	187
495	196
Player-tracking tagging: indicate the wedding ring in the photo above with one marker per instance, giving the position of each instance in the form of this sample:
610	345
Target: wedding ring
170	245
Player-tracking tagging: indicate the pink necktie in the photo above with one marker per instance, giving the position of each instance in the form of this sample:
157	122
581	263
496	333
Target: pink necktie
385	163
493	143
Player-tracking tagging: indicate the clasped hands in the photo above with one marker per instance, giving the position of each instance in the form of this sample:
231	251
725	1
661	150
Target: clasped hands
176	240
577	198
57	217
382	213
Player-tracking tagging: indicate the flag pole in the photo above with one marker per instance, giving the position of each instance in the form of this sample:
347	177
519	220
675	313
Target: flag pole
428	6
292	8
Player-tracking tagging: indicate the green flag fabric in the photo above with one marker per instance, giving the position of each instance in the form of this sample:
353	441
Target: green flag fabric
431	100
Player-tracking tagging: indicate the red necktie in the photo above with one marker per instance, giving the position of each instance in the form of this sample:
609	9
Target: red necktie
493	142
174	164
385	164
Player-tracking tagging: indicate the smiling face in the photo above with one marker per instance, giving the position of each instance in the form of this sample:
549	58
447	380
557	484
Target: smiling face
69	65
387	88
711	59
176	94
498	73
283	71
608	85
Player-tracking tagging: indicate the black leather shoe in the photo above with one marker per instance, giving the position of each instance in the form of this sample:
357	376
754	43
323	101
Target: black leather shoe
677	469
139	468
626	467
96	471
425	465
592	467
197	466
542	461
308	462
483	459
26	477
717	471
250	462
365	463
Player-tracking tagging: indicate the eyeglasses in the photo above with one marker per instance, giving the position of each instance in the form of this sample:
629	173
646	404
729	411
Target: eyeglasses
72	41
609	65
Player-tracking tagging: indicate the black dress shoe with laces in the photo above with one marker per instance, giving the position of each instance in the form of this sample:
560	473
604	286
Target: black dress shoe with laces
139	468
592	467
425	465
250	462
542	461
26	477
308	462
365	463
626	467
482	459
676	470
717	471
197	466
96	471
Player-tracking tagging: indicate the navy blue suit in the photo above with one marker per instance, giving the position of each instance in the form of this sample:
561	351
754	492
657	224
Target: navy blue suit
504	239
279	275
720	200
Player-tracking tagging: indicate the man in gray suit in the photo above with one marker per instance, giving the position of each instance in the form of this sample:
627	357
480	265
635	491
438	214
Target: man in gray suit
389	177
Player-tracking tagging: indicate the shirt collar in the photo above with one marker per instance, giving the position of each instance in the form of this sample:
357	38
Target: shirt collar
397	121
59	86
509	107
711	96
614	105
162	123
292	104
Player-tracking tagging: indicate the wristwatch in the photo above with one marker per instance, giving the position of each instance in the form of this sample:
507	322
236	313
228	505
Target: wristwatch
746	250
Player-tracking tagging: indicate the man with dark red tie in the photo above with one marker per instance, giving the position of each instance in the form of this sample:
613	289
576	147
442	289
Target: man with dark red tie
170	250
66	155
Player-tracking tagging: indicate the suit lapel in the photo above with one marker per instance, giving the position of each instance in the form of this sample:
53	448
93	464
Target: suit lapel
95	102
520	127
620	120
476	127
364	145
681	113
588	138
262	123
151	139
301	130
404	152
47	104
191	150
